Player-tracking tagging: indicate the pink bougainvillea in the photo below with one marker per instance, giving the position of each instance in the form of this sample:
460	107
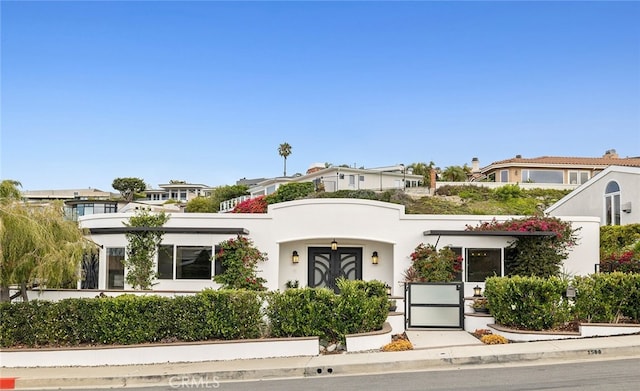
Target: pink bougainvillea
253	205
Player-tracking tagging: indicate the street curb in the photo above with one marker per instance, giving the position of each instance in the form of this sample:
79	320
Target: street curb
347	364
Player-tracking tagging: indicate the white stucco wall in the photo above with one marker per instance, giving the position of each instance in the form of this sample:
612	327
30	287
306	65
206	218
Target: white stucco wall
369	225
589	199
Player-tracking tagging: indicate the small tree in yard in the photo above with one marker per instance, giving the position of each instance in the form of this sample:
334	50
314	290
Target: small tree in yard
239	260
142	248
128	187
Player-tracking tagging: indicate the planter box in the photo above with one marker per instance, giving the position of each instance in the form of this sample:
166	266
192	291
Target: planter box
369	341
586	330
160	353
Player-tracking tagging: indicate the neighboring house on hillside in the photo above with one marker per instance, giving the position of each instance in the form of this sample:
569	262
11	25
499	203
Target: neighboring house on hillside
176	191
77	202
569	171
334	178
613	196
373	241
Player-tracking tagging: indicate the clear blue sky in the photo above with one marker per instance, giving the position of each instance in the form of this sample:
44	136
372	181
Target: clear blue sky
206	91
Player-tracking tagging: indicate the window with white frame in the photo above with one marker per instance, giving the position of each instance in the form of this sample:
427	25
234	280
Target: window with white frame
612	204
578	177
504	176
542	176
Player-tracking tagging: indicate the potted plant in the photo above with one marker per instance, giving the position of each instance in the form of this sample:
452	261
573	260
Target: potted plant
392	305
480	304
292	284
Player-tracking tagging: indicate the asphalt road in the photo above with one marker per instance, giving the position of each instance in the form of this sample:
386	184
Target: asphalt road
585	375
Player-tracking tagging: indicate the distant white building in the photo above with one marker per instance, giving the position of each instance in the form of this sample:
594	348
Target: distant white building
331	179
176	191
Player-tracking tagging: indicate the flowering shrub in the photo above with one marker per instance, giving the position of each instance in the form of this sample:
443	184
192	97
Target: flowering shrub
252	205
535	255
398	345
562	230
627	262
432	265
239	260
493	339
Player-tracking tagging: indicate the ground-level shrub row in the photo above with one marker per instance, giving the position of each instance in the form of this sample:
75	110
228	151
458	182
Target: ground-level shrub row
208	315
535	303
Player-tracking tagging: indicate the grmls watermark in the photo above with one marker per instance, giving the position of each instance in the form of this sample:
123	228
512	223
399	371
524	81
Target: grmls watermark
199	382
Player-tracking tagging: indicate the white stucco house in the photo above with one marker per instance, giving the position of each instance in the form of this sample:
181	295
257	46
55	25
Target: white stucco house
613	196
335	178
371	240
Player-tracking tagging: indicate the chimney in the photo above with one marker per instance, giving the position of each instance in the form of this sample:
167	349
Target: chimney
432	185
518	156
611	154
475	165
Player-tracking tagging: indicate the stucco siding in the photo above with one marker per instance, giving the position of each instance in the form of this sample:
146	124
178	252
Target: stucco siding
364	224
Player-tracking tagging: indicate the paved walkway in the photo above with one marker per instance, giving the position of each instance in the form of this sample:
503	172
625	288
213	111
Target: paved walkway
433	349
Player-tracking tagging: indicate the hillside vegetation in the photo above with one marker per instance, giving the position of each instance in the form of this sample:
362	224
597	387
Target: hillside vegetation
477	200
465	199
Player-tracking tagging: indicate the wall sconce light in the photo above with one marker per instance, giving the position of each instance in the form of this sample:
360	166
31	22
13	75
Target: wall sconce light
374	258
477	291
387	288
294	257
334	245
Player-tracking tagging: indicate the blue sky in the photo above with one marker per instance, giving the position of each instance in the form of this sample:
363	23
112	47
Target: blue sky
206	91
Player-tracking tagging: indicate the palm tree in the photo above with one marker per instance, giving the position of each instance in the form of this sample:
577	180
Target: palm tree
284	150
423	169
9	189
454	174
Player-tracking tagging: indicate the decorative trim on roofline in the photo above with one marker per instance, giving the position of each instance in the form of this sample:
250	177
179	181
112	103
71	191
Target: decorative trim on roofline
487	233
170	230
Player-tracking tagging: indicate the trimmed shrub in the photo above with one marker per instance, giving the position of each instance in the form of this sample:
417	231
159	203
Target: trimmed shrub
130	319
233	314
361	306
531	303
608	297
302	312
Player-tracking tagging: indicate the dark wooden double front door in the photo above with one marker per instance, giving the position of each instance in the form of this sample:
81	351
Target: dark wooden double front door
326	265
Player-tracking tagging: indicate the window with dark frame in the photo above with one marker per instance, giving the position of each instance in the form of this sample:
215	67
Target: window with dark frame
482	263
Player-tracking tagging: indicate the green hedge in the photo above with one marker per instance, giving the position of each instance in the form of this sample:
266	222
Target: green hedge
211	314
130	319
608	297
361	306
302	312
531	303
535	303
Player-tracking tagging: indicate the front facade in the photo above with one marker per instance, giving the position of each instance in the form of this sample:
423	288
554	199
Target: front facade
613	196
568	171
373	241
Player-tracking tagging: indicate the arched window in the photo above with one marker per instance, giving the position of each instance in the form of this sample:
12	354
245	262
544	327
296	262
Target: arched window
612	204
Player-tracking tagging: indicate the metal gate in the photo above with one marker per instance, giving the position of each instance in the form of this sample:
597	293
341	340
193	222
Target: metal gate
434	305
326	265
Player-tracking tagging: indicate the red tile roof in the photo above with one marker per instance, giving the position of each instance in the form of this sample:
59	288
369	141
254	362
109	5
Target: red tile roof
559	160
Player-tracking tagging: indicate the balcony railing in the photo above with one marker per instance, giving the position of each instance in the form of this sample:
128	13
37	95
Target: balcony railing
228	205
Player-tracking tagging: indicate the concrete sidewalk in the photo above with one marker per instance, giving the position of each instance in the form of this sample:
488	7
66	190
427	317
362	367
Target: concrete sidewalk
433	350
